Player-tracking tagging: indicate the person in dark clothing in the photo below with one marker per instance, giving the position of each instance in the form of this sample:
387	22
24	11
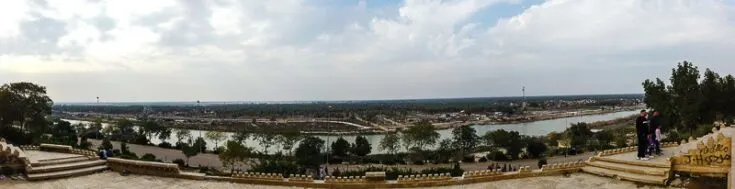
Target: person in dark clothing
641	127
655	124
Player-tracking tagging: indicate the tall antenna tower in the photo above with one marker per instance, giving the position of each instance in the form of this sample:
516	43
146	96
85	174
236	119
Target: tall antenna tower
98	100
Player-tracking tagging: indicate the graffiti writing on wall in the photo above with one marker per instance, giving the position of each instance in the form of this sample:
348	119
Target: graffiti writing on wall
717	152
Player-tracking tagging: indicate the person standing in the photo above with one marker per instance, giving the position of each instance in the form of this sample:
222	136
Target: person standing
641	127
655	123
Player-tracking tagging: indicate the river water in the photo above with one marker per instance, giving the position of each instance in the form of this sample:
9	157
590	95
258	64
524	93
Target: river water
537	128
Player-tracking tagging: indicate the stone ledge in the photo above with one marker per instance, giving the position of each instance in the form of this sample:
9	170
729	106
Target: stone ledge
56	148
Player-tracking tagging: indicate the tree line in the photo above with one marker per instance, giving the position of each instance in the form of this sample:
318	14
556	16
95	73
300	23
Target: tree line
689	99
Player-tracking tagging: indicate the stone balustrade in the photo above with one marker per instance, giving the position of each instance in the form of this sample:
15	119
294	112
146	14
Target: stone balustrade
88	153
424	178
56	148
350	179
300	178
30	147
144	167
562	166
482	173
262	176
525	169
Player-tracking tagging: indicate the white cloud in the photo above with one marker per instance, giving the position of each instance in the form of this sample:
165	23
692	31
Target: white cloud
301	50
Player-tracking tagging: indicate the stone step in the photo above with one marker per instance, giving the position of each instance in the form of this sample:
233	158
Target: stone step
68	173
67	166
60	161
644	170
665	164
647	179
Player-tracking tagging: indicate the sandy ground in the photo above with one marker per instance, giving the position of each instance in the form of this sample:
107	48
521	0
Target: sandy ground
212	160
113	180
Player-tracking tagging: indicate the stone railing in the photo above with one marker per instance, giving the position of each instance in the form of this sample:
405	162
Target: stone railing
56	148
617	151
631	149
424	178
300	178
351	179
483	173
144	167
262	176
88	153
569	166
30	147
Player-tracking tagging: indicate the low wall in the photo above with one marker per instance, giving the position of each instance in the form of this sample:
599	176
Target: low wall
143	167
631	149
56	148
404	181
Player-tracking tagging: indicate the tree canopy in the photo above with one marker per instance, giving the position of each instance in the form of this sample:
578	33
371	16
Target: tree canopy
421	135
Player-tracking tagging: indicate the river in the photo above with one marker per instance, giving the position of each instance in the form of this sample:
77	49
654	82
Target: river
537	128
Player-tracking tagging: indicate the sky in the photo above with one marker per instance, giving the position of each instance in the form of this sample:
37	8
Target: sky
284	50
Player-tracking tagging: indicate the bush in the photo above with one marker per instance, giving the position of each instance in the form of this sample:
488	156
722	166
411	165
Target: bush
483	159
457	171
165	145
418	162
542	162
497	156
148	157
180	162
468	159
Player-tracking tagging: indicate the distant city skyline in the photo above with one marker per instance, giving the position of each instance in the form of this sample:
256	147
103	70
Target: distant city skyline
322	50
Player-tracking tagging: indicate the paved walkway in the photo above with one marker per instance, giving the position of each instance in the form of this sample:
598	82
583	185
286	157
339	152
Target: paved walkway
631	156
113	180
35	155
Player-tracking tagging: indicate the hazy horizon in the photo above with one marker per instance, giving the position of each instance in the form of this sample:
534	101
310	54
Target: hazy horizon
331	50
350	100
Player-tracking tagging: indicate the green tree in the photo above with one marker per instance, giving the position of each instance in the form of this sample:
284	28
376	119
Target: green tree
200	144
125	130
241	136
391	142
234	153
215	136
445	151
578	134
712	97
728	97
189	151
266	140
288	139
181	135
361	147
659	98
308	153
511	141
536	148
340	147
419	136
465	139
686	94
23	102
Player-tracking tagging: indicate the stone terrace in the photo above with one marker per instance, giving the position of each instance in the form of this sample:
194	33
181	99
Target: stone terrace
113	180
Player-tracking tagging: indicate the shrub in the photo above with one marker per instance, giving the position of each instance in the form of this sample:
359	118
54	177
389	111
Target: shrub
483	159
418	162
468	159
148	157
542	162
180	162
165	145
497	156
337	173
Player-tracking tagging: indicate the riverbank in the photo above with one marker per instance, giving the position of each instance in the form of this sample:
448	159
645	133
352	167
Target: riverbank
335	128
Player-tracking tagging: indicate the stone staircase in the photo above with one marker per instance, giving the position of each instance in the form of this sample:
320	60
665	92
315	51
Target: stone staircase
65	167
631	170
